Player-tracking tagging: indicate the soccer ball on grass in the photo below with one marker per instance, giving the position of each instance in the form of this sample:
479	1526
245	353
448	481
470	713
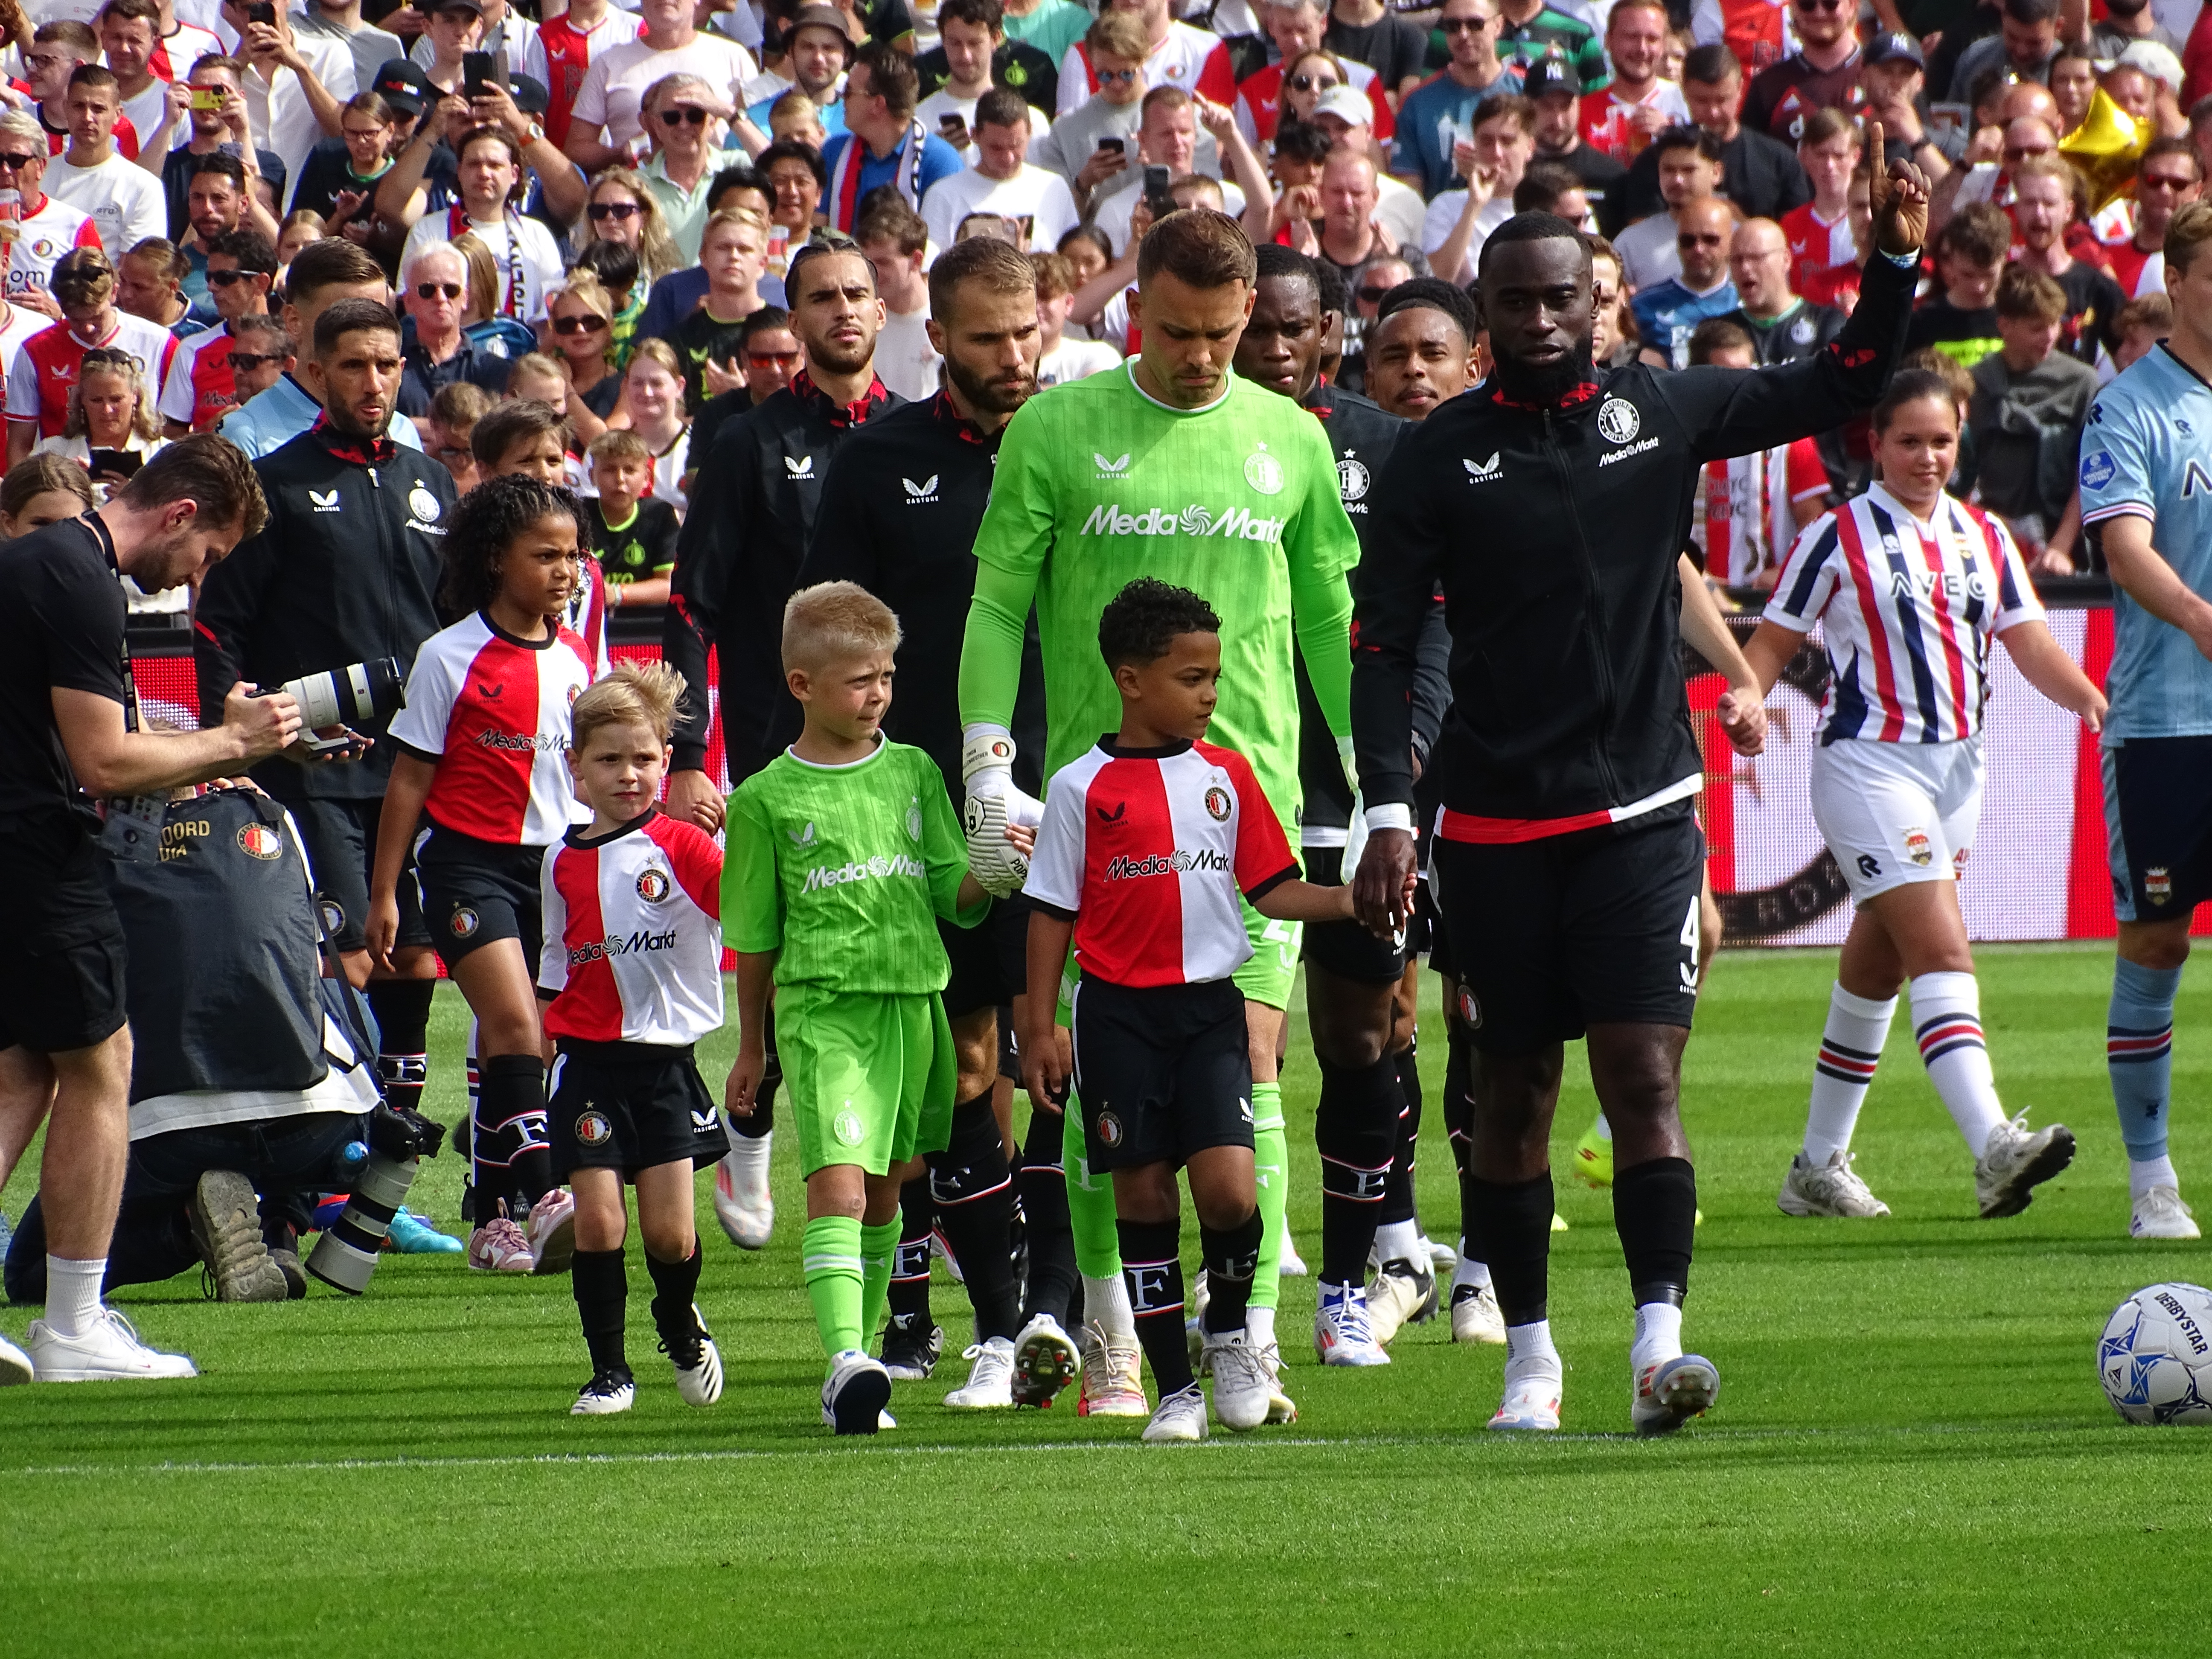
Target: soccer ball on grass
2155	1355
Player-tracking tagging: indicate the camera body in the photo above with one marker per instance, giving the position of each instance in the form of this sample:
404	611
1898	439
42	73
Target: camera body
358	693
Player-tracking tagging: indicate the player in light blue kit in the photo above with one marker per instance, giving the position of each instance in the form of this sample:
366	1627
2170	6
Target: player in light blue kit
2146	493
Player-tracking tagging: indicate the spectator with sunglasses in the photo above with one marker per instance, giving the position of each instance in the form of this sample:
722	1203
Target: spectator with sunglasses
678	178
202	386
49	227
261	354
1823	73
434	295
579	317
1440	113
624	207
1668	313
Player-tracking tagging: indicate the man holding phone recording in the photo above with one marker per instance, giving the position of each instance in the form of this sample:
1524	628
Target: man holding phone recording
1091	147
212	108
1000	181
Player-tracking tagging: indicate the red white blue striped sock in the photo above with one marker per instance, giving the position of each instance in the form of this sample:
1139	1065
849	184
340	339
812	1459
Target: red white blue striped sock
1850	1047
1947	1022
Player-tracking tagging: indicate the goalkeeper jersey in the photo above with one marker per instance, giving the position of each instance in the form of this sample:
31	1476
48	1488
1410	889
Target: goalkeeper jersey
1098	484
844	870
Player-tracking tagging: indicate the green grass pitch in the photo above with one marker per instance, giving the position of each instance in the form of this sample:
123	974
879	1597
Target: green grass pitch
1911	1452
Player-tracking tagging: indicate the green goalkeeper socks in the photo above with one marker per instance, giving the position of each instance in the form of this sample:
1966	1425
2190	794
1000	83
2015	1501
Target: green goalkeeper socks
830	1252
1089	1202
1270	1157
877	1247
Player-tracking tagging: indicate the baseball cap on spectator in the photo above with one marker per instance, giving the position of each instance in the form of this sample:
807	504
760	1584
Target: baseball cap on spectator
432	7
1550	73
1347	103
403	84
2156	61
1888	48
529	94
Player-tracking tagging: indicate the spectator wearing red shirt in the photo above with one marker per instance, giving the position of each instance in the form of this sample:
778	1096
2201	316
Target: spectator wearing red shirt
39	380
1639	105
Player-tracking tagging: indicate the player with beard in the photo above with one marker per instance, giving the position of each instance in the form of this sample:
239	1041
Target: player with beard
1568	861
901	506
751	508
1359	995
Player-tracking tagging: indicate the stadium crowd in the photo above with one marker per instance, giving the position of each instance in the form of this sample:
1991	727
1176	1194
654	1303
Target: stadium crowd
707	268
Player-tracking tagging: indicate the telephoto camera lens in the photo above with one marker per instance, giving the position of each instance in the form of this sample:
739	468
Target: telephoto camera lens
345	697
344	1257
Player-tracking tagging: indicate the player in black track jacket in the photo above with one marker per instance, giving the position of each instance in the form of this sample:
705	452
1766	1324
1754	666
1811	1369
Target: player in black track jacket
1552	502
752	506
899	513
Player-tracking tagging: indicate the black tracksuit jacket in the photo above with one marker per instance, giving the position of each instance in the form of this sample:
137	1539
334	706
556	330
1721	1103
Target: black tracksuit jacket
1553	533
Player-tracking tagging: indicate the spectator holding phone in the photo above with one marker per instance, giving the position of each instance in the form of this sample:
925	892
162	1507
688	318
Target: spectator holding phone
111	429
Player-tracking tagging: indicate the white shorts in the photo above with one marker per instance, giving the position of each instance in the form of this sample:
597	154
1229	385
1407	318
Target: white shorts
1898	812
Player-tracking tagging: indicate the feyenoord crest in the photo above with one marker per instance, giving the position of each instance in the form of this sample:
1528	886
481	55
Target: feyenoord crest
652	886
593	1129
1263	471
1217	804
1109	1130
423	504
1918	848
333	915
1351	479
2158	884
845	1126
1800	332
914	821
1470	1011
463	923
1617	420
258	840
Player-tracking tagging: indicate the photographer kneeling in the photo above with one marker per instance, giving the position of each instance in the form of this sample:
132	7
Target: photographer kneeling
68	727
251	1077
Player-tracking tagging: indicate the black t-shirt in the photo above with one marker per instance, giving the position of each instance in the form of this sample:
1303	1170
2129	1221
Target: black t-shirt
641	550
1600	174
1967	335
328	170
62	616
699	336
1393	48
2092	312
601	399
1017	66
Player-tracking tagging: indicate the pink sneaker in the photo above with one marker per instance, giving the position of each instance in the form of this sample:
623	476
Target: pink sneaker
500	1246
553	1233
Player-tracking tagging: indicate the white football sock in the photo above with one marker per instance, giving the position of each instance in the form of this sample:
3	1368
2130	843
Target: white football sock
1528	1351
2151	1172
1851	1044
1658	1335
749	1154
1107	1301
73	1294
1476	1273
1259	1326
1400	1241
1947	1022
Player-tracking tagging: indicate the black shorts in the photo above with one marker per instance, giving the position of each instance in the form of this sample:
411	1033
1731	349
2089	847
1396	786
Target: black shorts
1162	1071
990	961
1344	948
61	977
1554	936
629	1106
340	837
477	891
2158	826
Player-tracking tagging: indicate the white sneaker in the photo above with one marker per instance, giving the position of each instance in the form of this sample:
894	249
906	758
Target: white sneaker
1240	1383
109	1350
1832	1188
743	1203
16	1365
606	1393
1671	1392
698	1363
855	1394
1113	1384
1341	1333
2160	1213
2016	1160
1531	1405
1403	1293
1046	1360
501	1246
1293	1265
990	1384
1476	1317
1181	1416
552	1232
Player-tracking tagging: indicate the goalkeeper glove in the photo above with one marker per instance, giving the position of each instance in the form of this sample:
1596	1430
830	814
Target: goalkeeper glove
987	761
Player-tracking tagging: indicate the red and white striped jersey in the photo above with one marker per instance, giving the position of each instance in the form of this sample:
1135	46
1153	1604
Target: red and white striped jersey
1743	520
40	378
586	616
2137	273
490	712
634	935
1907	610
47	234
1817	247
201	388
1608	121
1147	851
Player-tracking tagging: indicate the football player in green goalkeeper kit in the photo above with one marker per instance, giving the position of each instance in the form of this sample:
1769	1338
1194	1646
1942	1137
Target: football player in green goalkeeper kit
1174	468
